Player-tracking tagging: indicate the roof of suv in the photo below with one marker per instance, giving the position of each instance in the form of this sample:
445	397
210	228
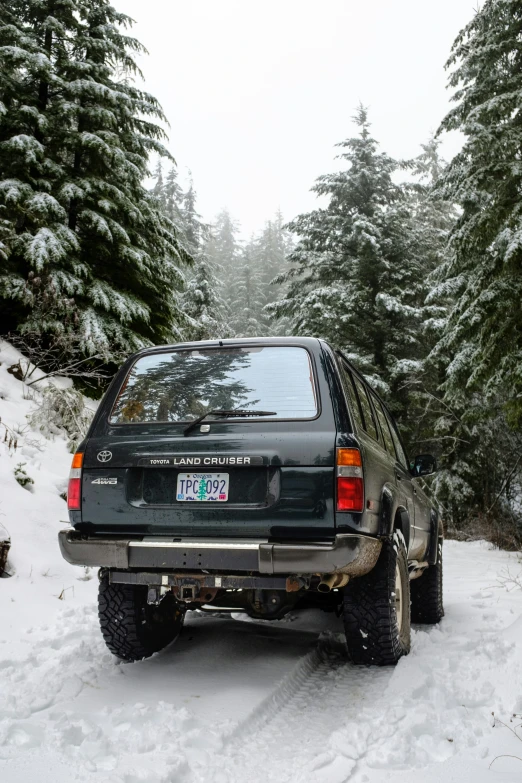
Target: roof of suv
231	341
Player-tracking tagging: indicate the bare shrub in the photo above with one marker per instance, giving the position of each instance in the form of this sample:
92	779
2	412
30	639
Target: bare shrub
61	411
57	354
503	530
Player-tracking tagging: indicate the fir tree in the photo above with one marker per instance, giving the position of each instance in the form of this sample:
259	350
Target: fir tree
84	243
193	228
173	198
205	310
275	245
223	249
479	282
249	293
431	220
202	304
356	278
484	270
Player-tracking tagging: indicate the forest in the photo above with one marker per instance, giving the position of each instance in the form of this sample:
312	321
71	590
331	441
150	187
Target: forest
412	267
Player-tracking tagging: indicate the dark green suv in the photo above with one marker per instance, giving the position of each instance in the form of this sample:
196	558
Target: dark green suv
261	474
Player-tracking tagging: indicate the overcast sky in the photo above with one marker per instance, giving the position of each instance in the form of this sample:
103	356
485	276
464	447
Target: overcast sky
258	93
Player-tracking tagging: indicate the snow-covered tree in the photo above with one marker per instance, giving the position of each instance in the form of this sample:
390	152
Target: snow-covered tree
223	248
247	271
479	281
356	278
484	270
203	305
249	293
193	228
205	313
275	244
83	241
418	380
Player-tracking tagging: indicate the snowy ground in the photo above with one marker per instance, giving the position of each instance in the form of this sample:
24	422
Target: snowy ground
232	700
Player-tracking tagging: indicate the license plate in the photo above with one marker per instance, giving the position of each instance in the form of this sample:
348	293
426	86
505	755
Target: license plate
202	486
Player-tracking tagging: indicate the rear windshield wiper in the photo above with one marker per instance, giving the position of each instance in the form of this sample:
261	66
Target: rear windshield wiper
227	415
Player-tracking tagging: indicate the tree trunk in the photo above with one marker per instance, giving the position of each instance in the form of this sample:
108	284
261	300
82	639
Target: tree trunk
5	544
43	89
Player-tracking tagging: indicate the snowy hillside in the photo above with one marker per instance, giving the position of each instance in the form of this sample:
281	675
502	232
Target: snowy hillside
238	701
34	514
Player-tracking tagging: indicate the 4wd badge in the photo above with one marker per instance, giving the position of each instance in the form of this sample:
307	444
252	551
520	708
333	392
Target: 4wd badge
104	456
105	480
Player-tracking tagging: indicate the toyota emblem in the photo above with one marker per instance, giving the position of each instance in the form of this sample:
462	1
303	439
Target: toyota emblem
104	456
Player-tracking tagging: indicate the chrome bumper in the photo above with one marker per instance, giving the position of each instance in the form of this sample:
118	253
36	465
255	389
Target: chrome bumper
350	554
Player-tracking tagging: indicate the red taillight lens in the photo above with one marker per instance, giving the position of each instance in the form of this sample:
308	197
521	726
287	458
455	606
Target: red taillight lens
350	493
350	484
74	492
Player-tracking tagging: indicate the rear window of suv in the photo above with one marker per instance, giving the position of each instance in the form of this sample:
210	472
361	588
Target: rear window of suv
180	386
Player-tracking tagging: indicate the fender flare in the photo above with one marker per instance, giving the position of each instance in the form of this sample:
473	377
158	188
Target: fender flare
389	510
436	532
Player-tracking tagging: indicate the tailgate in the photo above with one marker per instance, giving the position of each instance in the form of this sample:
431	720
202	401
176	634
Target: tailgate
276	470
269	494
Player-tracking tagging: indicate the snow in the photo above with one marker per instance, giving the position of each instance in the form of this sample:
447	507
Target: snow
234	699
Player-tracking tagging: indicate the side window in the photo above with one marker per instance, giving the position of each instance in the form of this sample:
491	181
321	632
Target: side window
369	421
401	456
350	391
384	426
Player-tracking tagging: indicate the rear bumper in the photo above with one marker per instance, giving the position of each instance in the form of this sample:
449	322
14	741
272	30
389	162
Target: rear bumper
353	555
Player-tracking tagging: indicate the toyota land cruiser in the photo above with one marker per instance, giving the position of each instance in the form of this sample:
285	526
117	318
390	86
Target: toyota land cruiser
262	474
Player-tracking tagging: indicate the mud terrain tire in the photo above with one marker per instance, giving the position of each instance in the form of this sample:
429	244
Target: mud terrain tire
426	594
131	628
376	608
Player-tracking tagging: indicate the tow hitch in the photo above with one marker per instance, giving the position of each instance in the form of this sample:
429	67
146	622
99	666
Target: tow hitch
203	588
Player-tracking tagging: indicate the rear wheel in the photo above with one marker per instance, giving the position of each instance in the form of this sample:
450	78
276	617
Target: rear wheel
426	593
376	608
131	628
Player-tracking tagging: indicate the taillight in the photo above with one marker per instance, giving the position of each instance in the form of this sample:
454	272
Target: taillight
350	484
74	490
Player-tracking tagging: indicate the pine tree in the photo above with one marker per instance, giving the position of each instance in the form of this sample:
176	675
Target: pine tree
356	278
275	245
173	197
203	305
484	270
84	243
223	250
193	227
249	293
480	280
430	223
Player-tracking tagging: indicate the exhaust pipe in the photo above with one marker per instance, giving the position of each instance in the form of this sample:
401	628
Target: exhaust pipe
330	581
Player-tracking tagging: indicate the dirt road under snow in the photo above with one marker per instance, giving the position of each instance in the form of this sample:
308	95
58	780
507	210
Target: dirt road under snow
243	701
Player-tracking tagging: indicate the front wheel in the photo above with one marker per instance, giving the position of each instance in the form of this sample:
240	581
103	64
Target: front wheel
376	608
132	628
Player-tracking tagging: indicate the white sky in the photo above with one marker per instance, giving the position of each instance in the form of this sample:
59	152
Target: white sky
257	93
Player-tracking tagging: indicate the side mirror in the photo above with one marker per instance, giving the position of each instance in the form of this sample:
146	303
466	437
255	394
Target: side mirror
424	465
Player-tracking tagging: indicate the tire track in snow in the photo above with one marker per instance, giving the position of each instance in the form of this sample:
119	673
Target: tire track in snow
285	737
287	690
